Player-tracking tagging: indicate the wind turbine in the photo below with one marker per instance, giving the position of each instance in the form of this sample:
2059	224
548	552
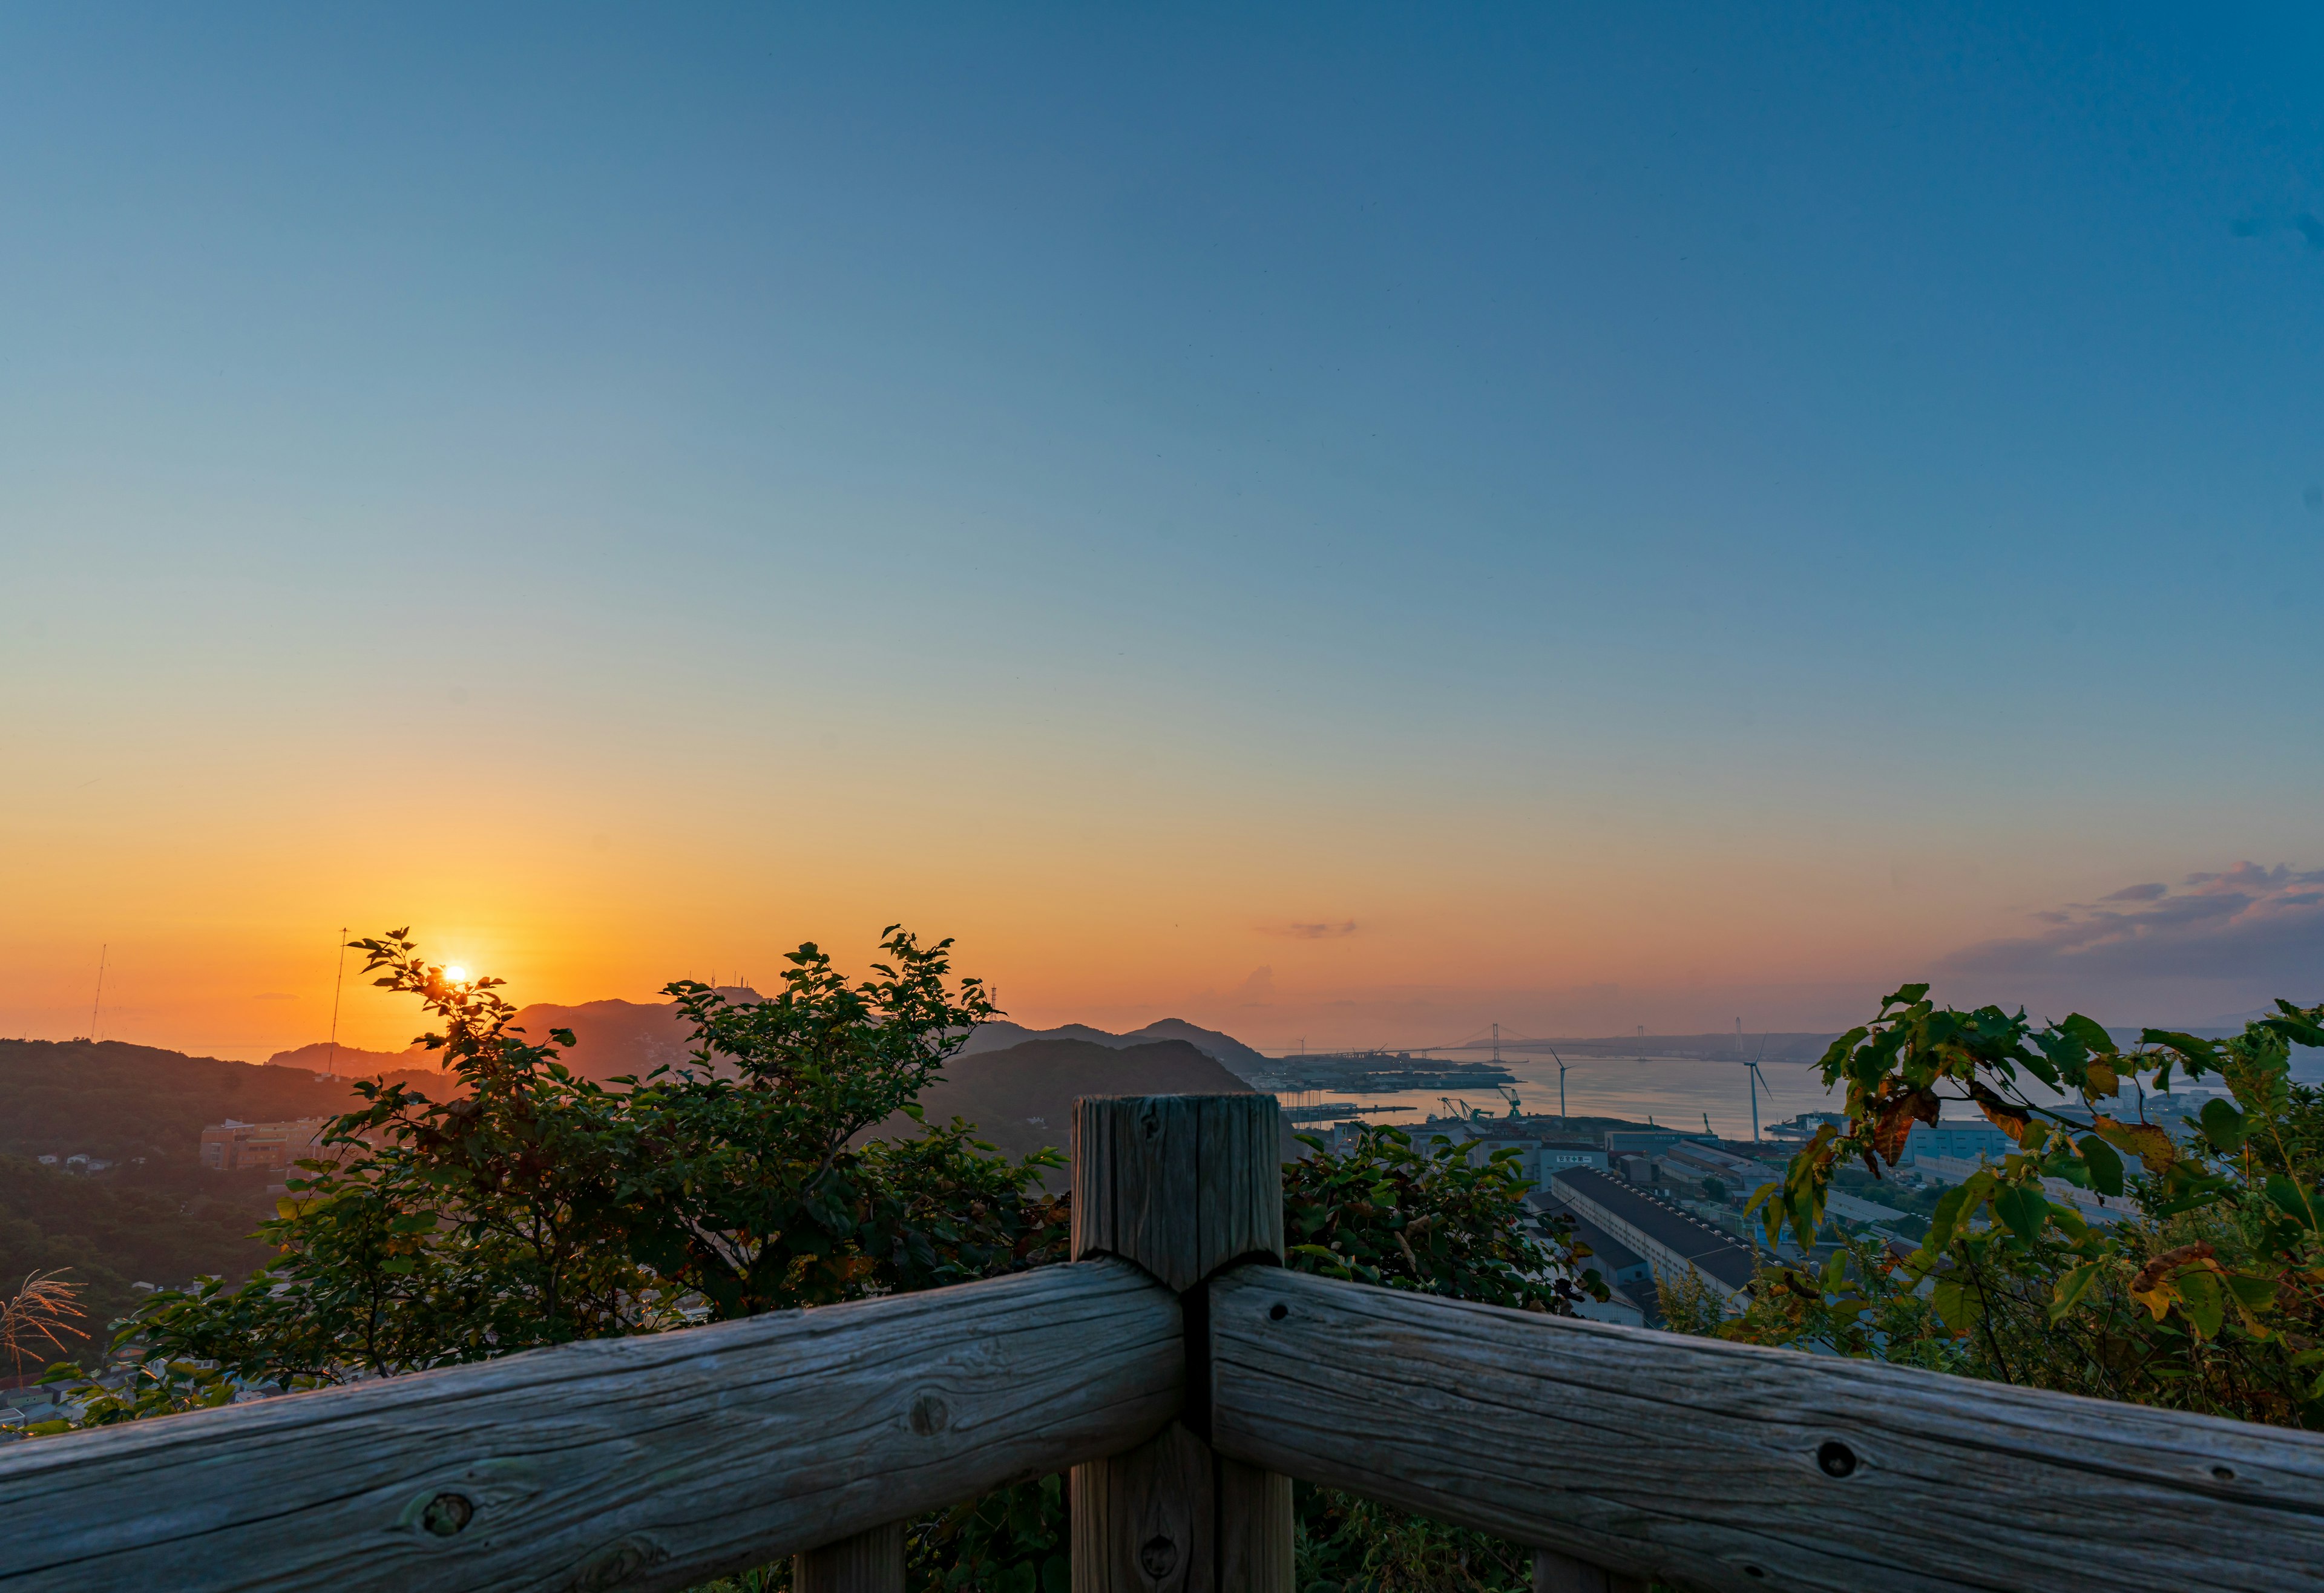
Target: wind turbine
1561	1085
1757	1079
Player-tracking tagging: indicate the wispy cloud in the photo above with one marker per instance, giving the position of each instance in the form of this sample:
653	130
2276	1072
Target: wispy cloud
2250	922
1312	931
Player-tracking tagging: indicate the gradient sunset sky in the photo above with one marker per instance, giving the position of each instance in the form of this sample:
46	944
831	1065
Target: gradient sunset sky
1341	523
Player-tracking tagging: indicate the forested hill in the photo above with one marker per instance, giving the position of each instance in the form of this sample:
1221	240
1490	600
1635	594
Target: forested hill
106	1099
157	1216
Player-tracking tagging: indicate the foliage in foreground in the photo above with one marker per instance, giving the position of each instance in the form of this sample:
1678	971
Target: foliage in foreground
1431	1221
1434	1222
536	1207
2209	1298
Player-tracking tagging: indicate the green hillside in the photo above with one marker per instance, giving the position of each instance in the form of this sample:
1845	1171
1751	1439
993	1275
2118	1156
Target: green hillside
157	1215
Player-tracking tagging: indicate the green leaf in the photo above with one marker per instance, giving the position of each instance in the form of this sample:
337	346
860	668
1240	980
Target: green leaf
1951	1207
2024	1207
1835	1055
2302	1205
2105	1164
2223	1126
2202	1299
1904	995
2199	1052
2068	1219
2090	1033
2253	1294
2071	1289
1957	1307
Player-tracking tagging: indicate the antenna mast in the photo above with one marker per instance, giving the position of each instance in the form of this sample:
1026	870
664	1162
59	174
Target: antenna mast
98	1001
332	1067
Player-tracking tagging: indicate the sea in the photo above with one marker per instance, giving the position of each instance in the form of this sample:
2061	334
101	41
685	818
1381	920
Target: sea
1673	1091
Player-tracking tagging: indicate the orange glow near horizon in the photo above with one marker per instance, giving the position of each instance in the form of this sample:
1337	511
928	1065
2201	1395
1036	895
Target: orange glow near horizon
1271	933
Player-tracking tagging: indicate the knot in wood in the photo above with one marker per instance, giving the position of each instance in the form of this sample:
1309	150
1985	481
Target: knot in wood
929	1416
1158	1556
447	1513
1836	1458
616	1564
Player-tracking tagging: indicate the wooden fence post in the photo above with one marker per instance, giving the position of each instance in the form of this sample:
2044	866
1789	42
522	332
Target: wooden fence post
868	1563
1555	1573
1181	1185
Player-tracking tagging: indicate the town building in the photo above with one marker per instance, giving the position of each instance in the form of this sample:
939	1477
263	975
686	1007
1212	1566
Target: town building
1957	1138
230	1145
1629	1281
1669	1239
1543	1144
1691	1165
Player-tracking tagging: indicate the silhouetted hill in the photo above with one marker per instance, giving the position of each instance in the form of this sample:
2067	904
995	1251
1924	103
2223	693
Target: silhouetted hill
1022	1099
1237	1057
617	1038
350	1062
614	1038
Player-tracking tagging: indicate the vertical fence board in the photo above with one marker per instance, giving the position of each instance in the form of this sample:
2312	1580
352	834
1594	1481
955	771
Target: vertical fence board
1181	1185
868	1563
1557	1573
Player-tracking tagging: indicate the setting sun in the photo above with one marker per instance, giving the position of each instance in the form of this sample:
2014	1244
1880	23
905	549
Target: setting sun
455	973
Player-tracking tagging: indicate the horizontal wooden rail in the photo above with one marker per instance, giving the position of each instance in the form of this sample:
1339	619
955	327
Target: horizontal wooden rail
637	1463
1727	1466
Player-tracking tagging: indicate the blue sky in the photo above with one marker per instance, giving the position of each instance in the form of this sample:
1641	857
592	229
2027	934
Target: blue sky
1662	498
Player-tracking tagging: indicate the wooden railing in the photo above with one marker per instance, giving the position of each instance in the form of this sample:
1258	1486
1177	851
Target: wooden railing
1183	1376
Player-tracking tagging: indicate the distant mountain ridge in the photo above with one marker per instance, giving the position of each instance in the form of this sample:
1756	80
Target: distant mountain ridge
1021	1096
615	1038
1230	1053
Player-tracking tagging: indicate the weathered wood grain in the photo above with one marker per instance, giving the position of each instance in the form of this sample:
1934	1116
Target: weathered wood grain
1181	1185
868	1563
1728	1466
1146	1521
1254	1527
637	1463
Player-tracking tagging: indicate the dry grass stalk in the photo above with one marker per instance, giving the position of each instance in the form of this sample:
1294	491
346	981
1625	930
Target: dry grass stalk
30	1317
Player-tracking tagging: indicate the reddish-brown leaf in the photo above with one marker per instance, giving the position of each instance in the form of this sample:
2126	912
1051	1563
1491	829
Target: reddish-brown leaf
2010	1119
2169	1262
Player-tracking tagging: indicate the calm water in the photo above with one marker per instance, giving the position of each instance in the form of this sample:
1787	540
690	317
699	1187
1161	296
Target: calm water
1674	1091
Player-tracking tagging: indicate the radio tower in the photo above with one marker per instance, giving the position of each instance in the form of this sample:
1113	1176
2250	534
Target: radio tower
331	1067
98	999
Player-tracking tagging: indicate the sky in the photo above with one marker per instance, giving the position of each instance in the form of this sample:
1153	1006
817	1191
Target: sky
1343	523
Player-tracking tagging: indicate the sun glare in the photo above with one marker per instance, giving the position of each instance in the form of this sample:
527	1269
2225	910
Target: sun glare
455	973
